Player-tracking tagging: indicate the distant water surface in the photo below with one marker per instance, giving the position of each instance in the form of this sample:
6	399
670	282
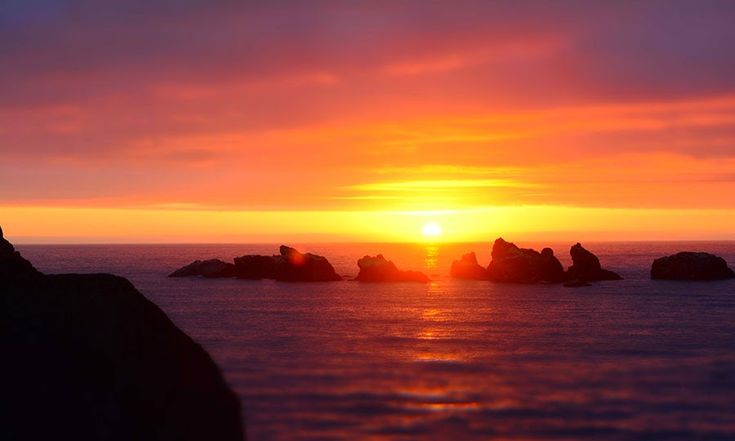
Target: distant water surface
629	360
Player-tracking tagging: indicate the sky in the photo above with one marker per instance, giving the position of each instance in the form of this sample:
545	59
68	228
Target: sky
226	121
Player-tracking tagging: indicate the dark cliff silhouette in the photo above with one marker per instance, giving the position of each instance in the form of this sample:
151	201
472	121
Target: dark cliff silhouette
88	357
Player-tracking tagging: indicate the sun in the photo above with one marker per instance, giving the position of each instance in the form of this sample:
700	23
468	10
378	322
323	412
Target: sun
431	229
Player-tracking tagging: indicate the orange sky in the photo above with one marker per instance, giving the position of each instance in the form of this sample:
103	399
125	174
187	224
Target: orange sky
211	122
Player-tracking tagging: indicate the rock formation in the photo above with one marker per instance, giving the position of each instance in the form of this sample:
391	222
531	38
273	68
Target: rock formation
289	266
468	268
12	265
691	266
586	267
87	357
379	269
211	268
521	265
255	267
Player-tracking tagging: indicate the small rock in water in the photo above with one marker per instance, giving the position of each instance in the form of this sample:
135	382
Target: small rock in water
691	266
379	269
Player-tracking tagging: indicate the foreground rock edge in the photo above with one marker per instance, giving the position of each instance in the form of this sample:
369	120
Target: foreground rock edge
89	357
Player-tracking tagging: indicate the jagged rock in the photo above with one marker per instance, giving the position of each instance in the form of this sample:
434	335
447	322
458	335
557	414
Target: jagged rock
378	269
521	265
289	266
212	268
87	357
293	266
468	268
691	266
586	267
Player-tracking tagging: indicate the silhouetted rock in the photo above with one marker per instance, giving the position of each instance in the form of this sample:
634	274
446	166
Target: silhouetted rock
468	268
255	267
211	268
87	357
586	266
289	266
293	266
521	265
378	269
691	266
12	264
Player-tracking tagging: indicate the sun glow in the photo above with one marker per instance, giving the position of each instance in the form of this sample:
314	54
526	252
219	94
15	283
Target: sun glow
431	230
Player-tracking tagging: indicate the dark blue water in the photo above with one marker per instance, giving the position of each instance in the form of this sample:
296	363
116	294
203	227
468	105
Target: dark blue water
632	359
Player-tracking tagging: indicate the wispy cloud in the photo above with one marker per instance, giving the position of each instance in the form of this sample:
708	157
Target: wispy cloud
440	184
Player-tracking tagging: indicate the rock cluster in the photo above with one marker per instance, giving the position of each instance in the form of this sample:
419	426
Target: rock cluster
509	263
88	357
524	265
289	265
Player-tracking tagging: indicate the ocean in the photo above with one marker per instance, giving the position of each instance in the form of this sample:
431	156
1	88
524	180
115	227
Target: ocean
458	360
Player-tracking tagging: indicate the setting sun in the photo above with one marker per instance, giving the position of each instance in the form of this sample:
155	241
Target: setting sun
432	229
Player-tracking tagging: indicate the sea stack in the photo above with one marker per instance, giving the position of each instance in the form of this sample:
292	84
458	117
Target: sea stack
522	265
689	265
379	269
586	267
467	268
88	357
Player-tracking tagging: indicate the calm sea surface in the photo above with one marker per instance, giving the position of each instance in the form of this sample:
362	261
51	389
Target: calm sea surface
634	359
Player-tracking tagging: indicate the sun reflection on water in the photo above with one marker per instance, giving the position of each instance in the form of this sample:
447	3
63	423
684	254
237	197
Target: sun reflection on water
431	259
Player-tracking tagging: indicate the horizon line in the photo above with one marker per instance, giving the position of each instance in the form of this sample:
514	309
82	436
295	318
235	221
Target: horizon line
386	242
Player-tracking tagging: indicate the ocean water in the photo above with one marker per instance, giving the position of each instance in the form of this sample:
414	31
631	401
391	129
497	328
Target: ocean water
457	360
